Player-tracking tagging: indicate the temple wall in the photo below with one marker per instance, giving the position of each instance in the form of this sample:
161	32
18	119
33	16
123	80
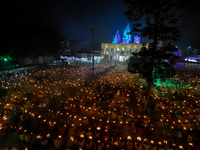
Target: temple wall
121	49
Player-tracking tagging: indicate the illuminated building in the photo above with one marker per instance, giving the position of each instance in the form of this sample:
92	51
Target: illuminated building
119	51
122	51
82	56
194	58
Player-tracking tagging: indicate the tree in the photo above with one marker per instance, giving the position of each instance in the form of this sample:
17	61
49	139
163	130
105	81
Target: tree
160	27
196	51
24	33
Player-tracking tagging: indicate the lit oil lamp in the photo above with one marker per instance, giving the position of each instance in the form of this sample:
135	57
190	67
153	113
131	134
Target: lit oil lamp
139	138
129	138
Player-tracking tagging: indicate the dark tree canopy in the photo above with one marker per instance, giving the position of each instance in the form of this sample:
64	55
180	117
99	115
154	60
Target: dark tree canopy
161	17
23	33
160	27
37	41
162	66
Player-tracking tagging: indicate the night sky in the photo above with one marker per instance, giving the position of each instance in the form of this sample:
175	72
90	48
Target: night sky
75	18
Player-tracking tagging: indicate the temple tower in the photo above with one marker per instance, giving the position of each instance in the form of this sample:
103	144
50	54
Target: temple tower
127	35
116	38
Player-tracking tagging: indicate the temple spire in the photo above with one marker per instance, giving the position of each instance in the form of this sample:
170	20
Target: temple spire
137	39
127	35
116	38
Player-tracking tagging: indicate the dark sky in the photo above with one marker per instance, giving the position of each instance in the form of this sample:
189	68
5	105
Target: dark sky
75	18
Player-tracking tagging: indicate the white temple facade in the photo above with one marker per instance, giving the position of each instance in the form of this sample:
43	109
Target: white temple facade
122	51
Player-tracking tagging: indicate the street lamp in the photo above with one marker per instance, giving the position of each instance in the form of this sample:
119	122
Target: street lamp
93	48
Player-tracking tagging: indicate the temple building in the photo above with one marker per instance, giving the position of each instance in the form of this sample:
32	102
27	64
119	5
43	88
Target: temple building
121	51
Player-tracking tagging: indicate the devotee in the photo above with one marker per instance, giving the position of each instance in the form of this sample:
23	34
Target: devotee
100	114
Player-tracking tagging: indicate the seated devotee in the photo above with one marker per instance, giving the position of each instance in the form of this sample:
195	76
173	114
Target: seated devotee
70	142
146	144
44	141
129	144
89	133
121	143
97	133
89	143
57	142
85	121
105	136
138	145
153	146
161	146
81	142
132	128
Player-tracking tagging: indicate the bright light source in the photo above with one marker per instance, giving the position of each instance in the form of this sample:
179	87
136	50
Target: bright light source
5	59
